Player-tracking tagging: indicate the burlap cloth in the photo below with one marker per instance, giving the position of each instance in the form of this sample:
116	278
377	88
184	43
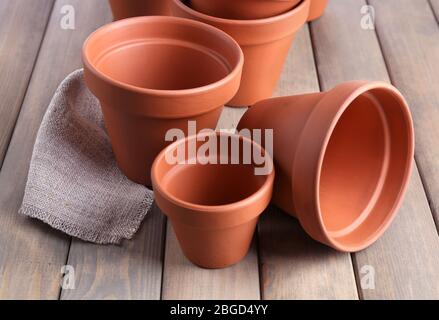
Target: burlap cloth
74	184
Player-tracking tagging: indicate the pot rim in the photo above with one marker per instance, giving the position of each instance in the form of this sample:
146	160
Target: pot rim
233	73
214	209
362	87
245	22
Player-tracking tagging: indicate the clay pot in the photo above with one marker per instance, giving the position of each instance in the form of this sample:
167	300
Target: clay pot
152	74
243	9
213	208
265	43
343	159
316	9
134	8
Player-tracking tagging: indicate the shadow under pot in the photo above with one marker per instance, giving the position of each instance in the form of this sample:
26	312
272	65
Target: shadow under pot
265	43
153	74
343	159
213	192
123	9
243	9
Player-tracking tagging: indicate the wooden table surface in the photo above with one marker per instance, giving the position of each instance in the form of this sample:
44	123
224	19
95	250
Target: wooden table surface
36	54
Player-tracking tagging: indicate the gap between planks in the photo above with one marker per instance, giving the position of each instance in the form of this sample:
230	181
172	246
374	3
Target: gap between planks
20	45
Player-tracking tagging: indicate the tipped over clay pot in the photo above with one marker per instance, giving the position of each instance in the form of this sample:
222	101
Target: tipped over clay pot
152	74
343	159
213	208
265	43
316	9
243	9
123	9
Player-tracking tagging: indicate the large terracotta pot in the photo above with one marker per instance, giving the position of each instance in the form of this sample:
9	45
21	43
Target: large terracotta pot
134	8
317	8
243	9
213	208
343	159
152	74
265	43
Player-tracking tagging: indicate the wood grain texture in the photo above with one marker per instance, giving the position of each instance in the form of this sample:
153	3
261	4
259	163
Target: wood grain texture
32	254
411	47
22	25
132	270
182	280
345	51
406	258
293	265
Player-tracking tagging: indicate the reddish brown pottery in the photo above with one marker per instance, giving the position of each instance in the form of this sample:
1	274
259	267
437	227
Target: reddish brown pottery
213	208
343	159
265	43
152	74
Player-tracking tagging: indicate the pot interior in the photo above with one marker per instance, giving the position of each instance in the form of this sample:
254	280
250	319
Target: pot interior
162	54
365	167
196	182
162	66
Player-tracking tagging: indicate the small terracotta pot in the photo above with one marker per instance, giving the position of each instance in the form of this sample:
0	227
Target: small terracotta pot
343	159
213	208
265	43
317	9
152	74
123	9
243	9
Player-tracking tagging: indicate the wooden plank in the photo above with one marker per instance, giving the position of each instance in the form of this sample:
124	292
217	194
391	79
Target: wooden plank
406	258
32	254
411	46
346	51
132	270
22	25
184	281
293	265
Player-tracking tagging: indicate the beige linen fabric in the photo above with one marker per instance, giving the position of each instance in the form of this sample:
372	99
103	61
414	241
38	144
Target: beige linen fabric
74	184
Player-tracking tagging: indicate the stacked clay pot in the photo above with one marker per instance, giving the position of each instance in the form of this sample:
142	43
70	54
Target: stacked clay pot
254	9
228	9
243	9
123	9
265	42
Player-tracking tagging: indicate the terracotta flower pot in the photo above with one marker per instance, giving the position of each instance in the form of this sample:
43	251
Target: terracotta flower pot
134	8
316	9
213	208
152	74
243	9
265	43
343	159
